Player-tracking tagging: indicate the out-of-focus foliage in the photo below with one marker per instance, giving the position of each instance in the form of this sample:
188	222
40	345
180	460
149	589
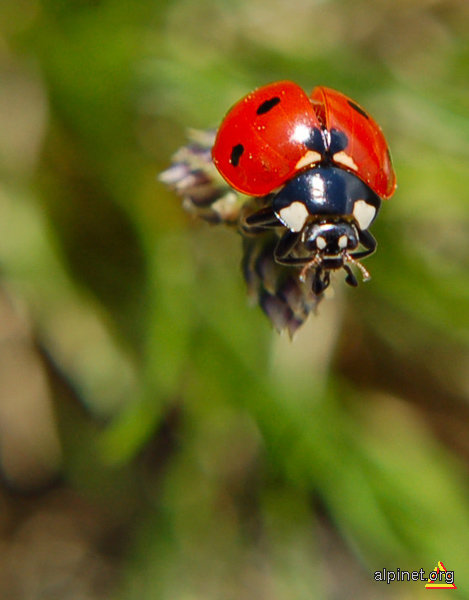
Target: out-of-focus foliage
172	446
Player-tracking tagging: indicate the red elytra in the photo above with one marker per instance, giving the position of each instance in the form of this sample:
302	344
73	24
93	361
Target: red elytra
262	141
367	145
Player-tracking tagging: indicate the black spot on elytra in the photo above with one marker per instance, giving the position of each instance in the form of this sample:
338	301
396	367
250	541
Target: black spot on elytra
267	105
359	109
236	154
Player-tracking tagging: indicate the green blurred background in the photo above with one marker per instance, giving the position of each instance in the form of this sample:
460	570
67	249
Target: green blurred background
157	439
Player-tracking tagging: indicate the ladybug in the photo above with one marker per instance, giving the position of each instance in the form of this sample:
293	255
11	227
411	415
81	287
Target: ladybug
320	166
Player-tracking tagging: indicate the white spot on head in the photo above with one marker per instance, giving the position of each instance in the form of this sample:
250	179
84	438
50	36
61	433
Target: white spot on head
294	216
307	159
343	240
302	133
364	214
321	242
345	159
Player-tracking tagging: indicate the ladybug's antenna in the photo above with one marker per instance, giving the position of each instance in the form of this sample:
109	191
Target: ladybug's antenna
314	262
365	274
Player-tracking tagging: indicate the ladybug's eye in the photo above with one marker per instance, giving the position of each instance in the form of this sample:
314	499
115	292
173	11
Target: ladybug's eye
267	105
236	153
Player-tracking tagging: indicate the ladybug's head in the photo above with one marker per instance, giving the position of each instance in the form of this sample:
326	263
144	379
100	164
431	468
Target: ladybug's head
331	245
331	240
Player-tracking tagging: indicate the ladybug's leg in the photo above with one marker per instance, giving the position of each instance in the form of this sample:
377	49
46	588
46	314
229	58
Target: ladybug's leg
264	218
321	281
293	261
286	244
350	279
368	241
